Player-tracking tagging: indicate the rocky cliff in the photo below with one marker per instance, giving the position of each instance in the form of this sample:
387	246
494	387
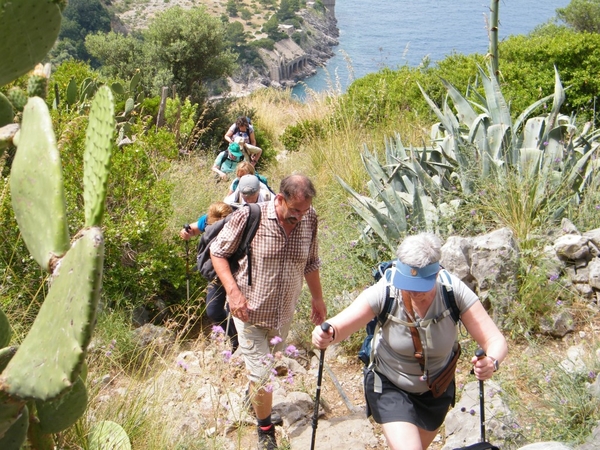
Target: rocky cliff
290	62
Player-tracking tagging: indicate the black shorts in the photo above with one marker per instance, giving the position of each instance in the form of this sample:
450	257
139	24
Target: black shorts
396	405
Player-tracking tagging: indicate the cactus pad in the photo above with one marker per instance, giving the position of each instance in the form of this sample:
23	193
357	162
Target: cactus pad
96	158
43	368
5	332
14	437
28	29
17	97
72	92
37	86
6	111
58	415
36	186
107	434
6	355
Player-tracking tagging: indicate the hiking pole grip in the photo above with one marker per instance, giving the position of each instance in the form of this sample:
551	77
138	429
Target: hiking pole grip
480	353
315	419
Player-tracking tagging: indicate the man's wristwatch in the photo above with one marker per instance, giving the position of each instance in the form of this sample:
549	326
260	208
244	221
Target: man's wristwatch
496	363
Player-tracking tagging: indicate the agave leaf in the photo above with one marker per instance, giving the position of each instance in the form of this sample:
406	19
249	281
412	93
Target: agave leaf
530	160
374	169
533	132
466	113
425	179
497	107
559	98
381	224
449	113
445	121
498	138
575	177
528	111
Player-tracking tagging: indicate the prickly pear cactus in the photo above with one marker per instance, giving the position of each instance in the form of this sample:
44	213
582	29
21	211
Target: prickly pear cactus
14	438
68	315
43	374
28	29
5	332
96	158
107	434
17	97
36	186
58	415
6	111
37	84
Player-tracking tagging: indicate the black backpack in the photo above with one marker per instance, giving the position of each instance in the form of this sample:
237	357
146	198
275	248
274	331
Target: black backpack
364	354
203	261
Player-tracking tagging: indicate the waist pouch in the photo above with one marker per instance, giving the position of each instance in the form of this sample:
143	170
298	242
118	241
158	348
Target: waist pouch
440	383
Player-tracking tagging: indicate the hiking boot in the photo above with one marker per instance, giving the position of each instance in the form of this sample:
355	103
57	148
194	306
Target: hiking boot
266	439
275	416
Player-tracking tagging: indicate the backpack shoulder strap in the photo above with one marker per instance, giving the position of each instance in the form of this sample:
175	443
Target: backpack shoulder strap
203	261
387	307
449	295
382	319
252	223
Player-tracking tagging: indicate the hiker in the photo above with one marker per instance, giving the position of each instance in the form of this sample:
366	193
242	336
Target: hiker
215	295
283	253
216	211
226	162
249	190
396	383
241	128
242	133
245	168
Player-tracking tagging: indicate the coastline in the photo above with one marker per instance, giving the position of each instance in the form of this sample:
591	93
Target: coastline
290	63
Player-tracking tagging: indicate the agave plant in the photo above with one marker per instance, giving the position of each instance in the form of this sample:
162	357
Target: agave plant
474	141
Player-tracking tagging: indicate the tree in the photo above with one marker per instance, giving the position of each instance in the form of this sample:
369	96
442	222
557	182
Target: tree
120	55
80	18
185	48
287	10
231	8
582	15
191	44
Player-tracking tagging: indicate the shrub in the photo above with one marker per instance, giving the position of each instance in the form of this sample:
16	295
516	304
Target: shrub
298	134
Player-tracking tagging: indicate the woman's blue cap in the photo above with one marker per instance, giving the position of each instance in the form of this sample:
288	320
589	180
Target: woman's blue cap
416	279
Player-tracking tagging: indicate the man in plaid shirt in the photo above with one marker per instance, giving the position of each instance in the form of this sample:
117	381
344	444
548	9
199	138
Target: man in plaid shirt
284	251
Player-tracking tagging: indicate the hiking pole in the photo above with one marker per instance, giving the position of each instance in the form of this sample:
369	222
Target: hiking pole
188	230
325	327
480	353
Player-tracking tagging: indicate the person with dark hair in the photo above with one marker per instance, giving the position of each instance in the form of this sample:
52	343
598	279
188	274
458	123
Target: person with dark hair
284	252
241	128
242	133
403	384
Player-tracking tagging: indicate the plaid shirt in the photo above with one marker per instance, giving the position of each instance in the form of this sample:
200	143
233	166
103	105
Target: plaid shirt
279	263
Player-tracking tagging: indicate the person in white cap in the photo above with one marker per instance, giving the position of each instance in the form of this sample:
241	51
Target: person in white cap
397	382
248	190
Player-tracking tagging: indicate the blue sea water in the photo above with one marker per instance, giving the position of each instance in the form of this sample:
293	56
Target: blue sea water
383	33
